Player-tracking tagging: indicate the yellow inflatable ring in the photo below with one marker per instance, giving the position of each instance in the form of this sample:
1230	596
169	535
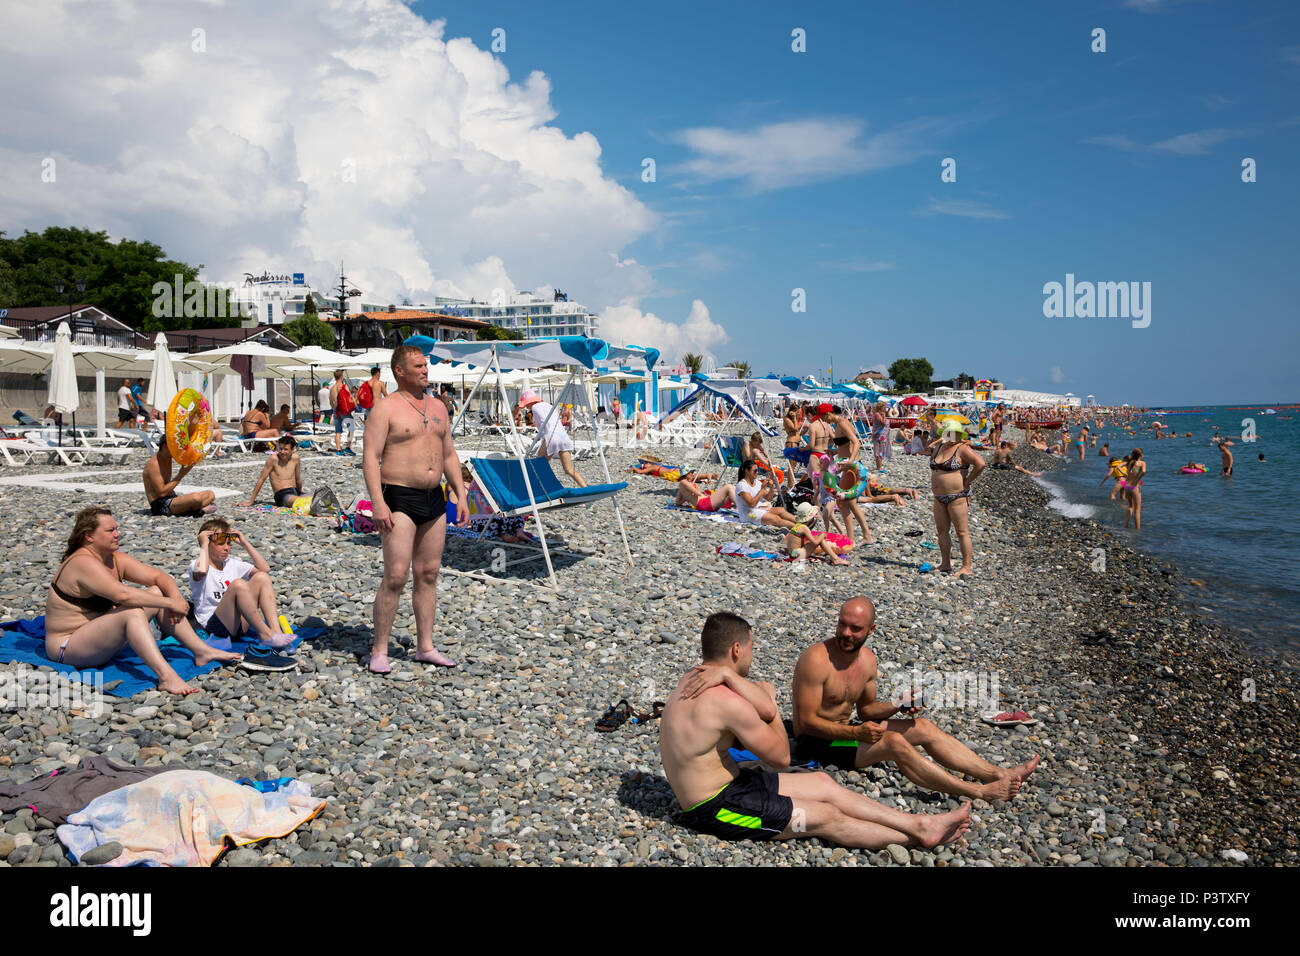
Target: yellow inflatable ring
189	427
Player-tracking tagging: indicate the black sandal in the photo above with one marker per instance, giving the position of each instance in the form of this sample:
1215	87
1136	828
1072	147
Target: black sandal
614	718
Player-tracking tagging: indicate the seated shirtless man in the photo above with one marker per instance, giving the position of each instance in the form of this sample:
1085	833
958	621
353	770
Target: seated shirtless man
1003	461
714	708
285	471
839	674
160	489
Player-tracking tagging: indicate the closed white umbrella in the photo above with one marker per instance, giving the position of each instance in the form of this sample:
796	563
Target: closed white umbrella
63	378
162	379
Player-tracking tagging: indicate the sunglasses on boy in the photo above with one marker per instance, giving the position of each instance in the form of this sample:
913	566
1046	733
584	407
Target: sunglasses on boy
224	537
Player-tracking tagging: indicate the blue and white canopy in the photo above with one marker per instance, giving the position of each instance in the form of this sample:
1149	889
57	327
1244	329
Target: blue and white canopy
538	353
735	392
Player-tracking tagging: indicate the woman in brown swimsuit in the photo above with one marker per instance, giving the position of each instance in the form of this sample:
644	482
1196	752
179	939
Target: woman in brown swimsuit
950	459
90	612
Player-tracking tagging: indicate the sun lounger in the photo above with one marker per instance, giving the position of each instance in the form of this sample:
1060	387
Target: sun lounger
502	482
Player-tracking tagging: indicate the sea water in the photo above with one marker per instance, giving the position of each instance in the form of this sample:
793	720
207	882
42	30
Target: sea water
1231	534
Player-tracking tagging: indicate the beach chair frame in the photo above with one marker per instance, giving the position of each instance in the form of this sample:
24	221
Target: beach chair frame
536	506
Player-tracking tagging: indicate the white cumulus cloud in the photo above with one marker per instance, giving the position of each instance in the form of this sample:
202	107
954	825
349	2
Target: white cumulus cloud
625	324
1057	375
302	134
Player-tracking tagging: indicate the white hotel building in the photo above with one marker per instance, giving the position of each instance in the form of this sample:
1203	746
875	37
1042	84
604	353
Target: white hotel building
273	299
532	316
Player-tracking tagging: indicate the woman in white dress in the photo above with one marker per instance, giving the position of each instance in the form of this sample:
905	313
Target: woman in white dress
555	440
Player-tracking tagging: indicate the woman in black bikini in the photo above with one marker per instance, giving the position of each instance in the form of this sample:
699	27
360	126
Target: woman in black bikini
1133	488
257	423
90	612
950	459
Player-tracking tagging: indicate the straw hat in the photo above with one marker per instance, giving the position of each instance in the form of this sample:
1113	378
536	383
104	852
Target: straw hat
529	397
804	511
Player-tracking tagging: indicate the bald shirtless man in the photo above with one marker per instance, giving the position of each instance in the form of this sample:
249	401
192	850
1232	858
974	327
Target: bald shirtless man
160	489
714	708
839	674
408	450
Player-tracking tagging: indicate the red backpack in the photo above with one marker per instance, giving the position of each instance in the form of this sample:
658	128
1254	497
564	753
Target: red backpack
345	404
365	397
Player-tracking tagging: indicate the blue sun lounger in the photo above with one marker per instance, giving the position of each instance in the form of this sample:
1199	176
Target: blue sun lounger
502	482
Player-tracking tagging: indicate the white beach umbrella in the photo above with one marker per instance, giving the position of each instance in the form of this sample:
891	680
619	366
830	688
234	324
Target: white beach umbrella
162	379
63	377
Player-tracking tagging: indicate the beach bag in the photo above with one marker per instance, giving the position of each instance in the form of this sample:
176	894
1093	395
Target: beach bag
365	397
346	405
301	505
325	502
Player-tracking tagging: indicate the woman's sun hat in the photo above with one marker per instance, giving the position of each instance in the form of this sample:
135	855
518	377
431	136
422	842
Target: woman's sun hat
805	511
529	397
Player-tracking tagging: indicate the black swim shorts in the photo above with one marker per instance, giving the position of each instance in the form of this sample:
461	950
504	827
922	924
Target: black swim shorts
284	497
829	753
421	505
161	506
749	808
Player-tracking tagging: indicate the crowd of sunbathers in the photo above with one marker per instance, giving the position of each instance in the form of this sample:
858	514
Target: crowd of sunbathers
716	719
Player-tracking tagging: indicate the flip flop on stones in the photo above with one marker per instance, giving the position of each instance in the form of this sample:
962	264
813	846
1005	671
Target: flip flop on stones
614	718
1009	718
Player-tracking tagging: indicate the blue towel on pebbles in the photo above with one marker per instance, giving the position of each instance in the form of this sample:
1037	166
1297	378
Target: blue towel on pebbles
125	675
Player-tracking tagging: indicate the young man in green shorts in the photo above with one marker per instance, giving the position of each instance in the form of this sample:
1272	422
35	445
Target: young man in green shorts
714	708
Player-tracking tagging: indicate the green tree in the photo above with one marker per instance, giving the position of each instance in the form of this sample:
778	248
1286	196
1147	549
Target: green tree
309	306
309	330
693	362
742	368
495	333
911	374
120	277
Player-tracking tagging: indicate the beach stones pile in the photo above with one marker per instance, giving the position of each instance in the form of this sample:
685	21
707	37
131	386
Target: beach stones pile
1151	753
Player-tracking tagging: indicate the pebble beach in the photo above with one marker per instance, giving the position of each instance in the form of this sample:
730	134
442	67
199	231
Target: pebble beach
1164	742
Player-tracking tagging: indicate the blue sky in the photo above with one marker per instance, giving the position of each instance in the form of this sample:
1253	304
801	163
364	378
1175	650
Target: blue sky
821	170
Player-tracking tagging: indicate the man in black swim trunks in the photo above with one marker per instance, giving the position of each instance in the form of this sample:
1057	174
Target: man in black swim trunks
714	708
160	489
408	451
837	676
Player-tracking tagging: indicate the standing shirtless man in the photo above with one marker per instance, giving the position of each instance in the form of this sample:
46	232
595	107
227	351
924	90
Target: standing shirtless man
407	453
715	708
839	674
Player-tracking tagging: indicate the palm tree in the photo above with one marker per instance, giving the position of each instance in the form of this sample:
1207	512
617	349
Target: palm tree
693	362
742	369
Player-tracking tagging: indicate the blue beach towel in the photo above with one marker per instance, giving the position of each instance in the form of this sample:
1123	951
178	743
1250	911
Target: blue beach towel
24	641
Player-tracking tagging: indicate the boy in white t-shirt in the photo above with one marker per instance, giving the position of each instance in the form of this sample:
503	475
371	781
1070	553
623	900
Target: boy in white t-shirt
230	595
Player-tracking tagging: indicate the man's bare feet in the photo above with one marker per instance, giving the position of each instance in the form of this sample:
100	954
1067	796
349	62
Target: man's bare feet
434	657
379	664
213	654
941	828
174	685
1026	768
209	509
965	573
1004	788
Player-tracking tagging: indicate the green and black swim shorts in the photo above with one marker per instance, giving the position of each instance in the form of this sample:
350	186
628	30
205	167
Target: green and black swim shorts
751	807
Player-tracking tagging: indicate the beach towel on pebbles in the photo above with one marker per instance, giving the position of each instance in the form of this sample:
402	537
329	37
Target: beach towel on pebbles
734	549
724	515
185	818
125	675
